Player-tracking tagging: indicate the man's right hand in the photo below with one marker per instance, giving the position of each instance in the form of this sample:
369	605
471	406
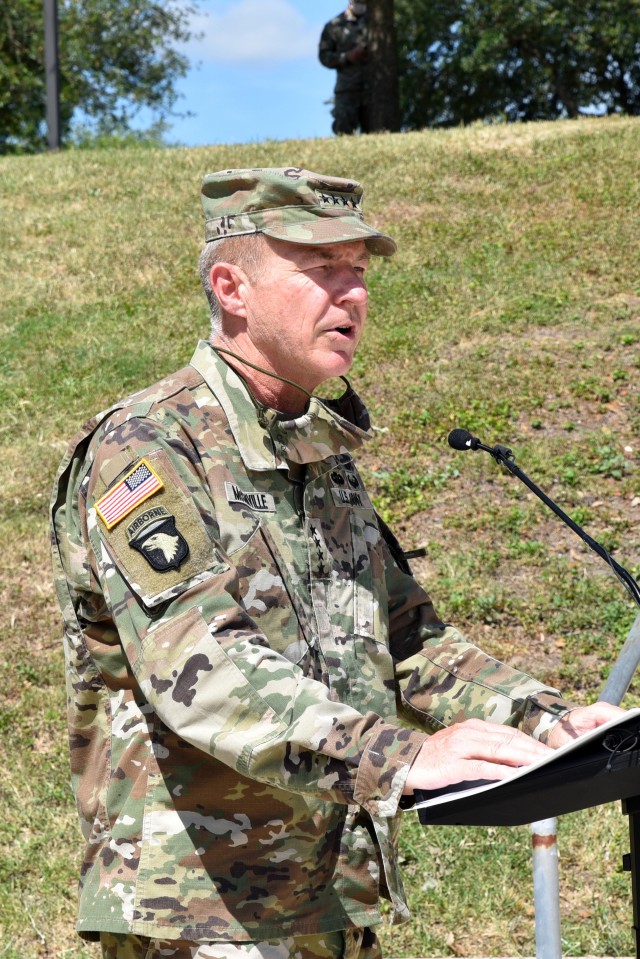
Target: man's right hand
471	751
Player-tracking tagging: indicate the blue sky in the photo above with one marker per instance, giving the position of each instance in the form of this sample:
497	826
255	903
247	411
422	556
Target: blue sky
255	74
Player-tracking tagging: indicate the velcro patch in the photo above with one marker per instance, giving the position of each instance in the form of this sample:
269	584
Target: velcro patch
138	485
164	547
260	502
346	478
355	499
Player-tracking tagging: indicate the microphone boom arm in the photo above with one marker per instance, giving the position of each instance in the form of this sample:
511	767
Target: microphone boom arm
504	456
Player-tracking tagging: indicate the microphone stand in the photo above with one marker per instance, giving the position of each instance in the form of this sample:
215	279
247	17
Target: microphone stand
462	440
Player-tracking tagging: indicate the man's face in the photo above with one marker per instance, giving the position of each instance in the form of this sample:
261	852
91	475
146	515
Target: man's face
306	309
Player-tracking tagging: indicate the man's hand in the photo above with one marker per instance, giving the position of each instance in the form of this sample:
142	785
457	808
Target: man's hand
470	751
581	720
356	54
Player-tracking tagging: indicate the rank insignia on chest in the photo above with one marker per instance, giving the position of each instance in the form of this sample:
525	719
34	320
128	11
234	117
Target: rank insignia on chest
139	484
155	536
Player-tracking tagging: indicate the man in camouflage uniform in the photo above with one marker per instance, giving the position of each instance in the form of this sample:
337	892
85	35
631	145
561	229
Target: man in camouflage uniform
241	631
343	47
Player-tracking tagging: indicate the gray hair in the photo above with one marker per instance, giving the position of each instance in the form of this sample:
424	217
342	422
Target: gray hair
247	252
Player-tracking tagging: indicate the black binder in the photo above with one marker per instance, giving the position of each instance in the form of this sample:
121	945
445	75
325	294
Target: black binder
598	767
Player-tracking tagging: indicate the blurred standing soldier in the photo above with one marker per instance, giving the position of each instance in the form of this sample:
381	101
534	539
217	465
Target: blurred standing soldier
343	47
241	629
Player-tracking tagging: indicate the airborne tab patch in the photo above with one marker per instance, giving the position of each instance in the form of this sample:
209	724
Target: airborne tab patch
138	485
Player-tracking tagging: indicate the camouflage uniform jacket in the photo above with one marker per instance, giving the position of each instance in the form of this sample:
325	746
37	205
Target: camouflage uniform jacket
340	35
238	635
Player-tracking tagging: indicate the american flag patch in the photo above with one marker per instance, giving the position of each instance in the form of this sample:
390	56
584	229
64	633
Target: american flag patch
138	485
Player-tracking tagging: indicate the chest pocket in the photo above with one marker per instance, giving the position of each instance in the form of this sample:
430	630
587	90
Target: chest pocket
348	591
260	531
238	510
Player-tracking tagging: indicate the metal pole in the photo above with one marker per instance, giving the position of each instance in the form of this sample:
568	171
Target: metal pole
546	889
625	666
52	73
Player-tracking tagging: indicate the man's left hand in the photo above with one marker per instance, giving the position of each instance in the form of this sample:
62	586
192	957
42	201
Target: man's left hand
356	54
581	720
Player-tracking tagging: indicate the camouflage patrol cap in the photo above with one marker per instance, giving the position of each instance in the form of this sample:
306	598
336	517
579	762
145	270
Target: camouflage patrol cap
288	204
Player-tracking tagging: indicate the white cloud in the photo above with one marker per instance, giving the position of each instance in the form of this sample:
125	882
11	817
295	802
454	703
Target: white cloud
253	31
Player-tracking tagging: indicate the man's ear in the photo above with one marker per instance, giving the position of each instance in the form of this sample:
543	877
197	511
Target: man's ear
229	284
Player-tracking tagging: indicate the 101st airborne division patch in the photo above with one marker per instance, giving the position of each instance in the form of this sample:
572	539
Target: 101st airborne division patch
155	536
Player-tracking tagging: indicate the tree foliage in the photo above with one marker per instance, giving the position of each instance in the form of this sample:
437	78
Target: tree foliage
116	56
466	60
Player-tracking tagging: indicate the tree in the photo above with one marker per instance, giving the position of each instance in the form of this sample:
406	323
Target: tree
466	60
384	92
116	56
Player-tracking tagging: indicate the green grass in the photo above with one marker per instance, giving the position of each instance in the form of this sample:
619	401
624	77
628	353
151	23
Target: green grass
512	309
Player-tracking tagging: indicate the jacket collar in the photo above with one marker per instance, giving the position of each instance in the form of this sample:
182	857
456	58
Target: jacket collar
265	439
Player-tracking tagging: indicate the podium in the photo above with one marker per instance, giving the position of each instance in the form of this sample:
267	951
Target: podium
597	768
554	797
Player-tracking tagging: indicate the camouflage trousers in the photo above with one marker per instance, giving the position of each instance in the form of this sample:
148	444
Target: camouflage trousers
341	944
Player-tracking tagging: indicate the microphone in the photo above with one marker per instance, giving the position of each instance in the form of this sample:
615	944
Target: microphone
461	439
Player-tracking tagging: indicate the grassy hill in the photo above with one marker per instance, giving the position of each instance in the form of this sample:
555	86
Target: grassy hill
512	308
